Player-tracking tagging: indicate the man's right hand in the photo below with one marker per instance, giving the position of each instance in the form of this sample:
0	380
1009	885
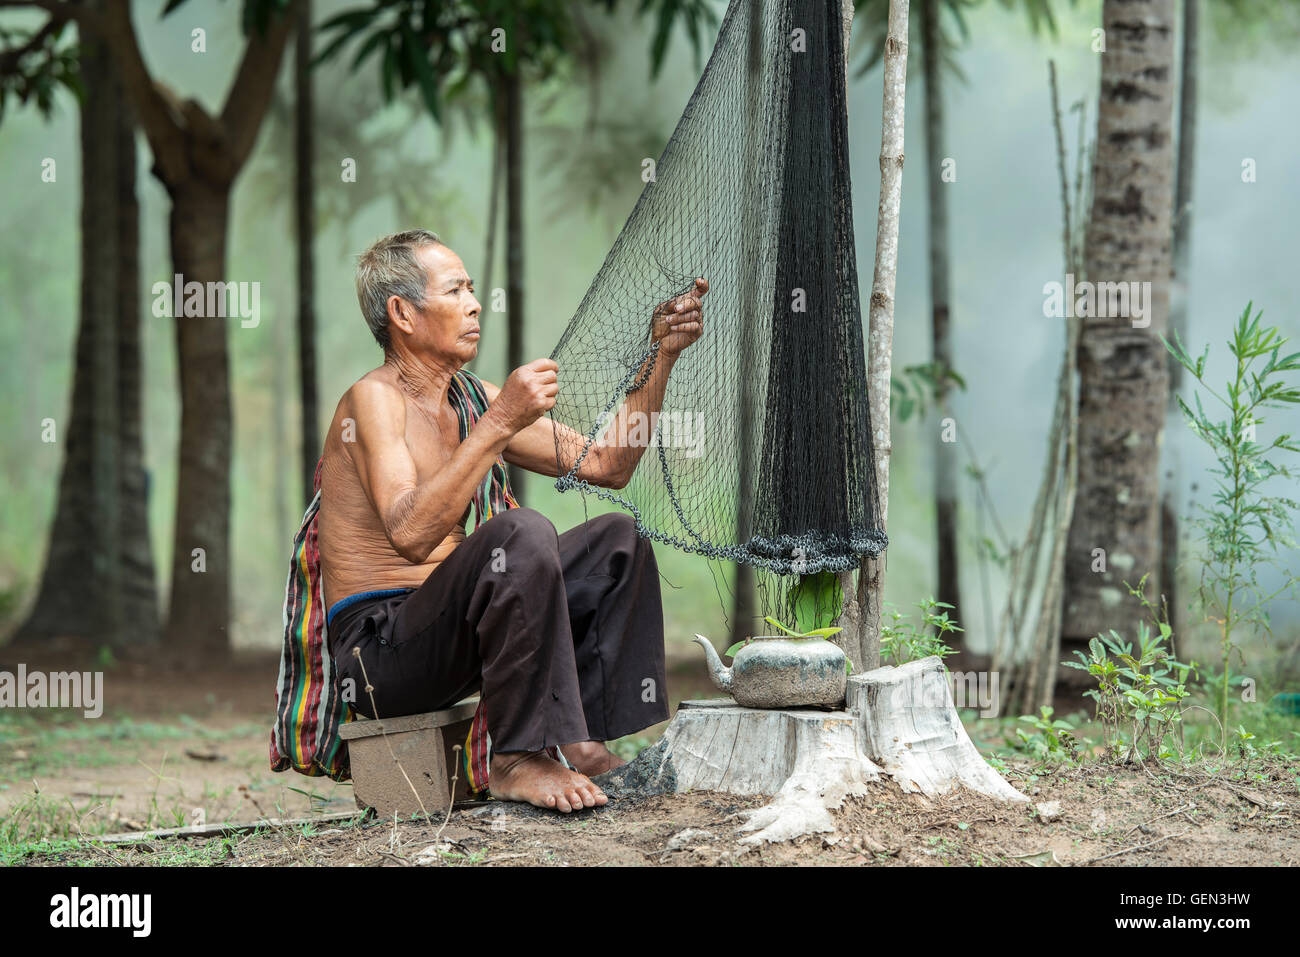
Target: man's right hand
528	394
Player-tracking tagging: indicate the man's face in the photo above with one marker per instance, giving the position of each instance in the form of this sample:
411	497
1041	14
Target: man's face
447	326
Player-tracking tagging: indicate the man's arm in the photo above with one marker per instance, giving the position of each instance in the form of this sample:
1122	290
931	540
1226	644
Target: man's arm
608	463
611	460
417	516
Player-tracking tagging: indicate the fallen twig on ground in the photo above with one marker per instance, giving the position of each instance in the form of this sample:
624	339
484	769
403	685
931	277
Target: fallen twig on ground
1138	847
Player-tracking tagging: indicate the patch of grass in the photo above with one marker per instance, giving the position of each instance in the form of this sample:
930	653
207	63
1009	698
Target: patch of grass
943	848
463	860
13	855
187	853
1274	732
316	802
40	820
32	744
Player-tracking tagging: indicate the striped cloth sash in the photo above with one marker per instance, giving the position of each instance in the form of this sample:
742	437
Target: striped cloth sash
309	702
465	392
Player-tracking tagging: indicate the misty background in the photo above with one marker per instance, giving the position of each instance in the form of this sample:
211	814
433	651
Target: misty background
1005	235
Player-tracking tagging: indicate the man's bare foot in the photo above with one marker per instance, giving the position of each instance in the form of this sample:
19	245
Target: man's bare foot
538	779
591	757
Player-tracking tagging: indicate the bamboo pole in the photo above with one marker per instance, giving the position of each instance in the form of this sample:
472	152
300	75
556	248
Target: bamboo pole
1032	663
880	337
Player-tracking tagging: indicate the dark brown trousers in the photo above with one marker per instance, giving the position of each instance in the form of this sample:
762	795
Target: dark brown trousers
562	634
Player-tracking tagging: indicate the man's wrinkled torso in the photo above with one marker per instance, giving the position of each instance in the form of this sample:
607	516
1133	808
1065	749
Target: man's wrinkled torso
356	555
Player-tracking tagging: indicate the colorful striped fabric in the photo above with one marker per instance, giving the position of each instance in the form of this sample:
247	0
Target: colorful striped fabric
309	701
465	392
493	496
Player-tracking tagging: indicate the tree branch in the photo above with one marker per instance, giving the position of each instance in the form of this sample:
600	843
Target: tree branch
11	59
63	9
160	124
250	93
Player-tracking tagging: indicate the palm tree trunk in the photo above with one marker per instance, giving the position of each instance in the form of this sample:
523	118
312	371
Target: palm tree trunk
98	580
139	589
514	242
197	156
1179	299
304	199
285	465
98	213
1124	379
199	607
494	196
945	465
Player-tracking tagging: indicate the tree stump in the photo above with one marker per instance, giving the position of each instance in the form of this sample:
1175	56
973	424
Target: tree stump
898	721
911	728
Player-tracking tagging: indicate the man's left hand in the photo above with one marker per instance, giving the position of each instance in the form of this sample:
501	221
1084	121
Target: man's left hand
679	322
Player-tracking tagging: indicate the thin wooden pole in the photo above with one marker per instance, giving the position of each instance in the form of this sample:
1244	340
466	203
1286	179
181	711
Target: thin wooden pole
880	336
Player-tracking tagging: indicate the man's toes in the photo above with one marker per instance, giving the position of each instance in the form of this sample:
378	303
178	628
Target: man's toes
564	805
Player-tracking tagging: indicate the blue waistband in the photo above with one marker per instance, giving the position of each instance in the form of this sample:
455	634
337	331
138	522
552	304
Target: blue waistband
338	606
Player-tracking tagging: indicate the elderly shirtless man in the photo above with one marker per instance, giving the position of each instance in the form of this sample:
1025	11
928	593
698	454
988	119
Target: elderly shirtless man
559	632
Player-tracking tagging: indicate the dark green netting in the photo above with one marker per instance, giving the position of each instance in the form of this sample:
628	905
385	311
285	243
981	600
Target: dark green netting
763	453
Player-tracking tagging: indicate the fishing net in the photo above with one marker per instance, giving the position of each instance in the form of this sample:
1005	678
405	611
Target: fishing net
762	453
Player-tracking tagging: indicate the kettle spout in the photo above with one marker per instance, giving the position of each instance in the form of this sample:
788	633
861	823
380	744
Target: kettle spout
721	675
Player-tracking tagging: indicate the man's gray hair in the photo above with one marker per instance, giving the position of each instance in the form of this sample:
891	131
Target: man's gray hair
389	268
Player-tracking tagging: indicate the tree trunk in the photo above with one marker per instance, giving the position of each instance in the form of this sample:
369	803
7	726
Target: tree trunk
98	580
285	464
744	612
137	579
494	198
1178	301
880	341
1114	535
945	464
197	156
104	439
199	615
304	200
514	242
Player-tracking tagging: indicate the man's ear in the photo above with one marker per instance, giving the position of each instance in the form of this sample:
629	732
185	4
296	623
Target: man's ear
399	314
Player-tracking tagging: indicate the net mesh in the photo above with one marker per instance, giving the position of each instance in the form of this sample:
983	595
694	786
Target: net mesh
762	453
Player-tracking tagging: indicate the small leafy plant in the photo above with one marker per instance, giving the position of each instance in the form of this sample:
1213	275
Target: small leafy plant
1053	739
1243	740
795	635
1140	692
1242	529
902	641
918	385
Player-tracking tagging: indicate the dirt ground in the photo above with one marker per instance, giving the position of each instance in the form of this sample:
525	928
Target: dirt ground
180	746
1121	819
